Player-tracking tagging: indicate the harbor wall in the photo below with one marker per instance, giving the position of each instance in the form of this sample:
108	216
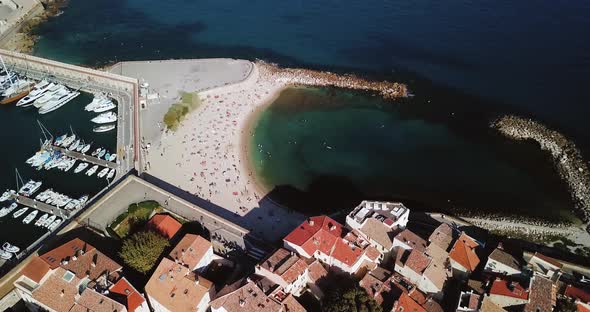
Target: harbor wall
124	89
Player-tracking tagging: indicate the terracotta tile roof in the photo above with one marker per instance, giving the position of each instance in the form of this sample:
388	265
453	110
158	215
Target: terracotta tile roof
316	271
56	292
406	304
170	286
290	304
505	258
133	299
577	294
372	253
417	296
488	305
548	259
582	307
432	306
417	261
437	274
164	224
90	300
442	236
285	264
94	263
246	298
190	250
506	288
346	253
463	252
35	269
312	226
378	232
65	251
374	287
411	239
542	295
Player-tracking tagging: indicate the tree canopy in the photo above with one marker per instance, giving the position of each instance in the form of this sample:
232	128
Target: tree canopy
353	299
141	250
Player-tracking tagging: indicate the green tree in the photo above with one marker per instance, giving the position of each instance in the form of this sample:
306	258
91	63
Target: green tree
566	305
353	299
141	250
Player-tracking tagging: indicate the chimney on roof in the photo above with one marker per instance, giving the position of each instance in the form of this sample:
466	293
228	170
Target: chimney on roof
80	252
500	246
94	260
310	221
332	227
64	262
242	302
63	292
182	251
74	258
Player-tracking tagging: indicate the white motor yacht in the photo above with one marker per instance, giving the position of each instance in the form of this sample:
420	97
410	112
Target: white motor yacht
30	188
103	172
30	217
103	118
86	148
112	157
48	222
104	106
74	145
81	167
92	170
10	248
42	219
6	195
53	105
5	255
38	91
20	212
54	224
104	128
50	96
111	174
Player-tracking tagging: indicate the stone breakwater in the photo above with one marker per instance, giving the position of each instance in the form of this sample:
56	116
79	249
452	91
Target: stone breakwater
567	158
308	77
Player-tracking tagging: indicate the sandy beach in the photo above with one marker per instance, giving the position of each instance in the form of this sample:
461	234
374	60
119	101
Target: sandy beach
208	154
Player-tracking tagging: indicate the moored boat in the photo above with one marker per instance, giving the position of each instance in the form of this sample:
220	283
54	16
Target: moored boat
103	118
92	170
38	91
20	212
30	217
104	128
10	248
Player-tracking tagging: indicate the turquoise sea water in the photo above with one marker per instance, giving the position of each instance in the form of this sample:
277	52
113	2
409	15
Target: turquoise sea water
467	62
328	149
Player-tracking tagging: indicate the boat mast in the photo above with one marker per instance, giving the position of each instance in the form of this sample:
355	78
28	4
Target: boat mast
6	69
18	178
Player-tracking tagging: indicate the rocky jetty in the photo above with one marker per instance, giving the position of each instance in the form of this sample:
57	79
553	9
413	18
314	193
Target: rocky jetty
308	77
567	158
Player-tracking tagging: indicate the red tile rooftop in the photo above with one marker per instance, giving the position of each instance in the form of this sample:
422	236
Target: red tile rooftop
509	289
65	251
463	252
577	294
411	239
190	250
35	269
132	298
316	233
165	224
345	253
417	261
407	304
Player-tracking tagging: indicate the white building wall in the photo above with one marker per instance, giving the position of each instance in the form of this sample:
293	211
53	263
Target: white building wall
410	275
205	261
399	244
142	308
156	306
204	303
426	286
459	271
499	267
292	247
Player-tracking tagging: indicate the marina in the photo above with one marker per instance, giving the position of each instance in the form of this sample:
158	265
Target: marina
67	90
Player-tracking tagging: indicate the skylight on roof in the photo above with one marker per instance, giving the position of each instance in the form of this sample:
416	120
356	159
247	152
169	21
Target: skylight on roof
68	276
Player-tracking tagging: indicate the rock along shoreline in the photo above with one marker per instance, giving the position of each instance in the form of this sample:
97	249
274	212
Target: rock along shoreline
567	158
308	77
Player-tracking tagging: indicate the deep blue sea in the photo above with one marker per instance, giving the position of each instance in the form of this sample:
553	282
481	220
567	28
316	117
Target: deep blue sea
467	61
